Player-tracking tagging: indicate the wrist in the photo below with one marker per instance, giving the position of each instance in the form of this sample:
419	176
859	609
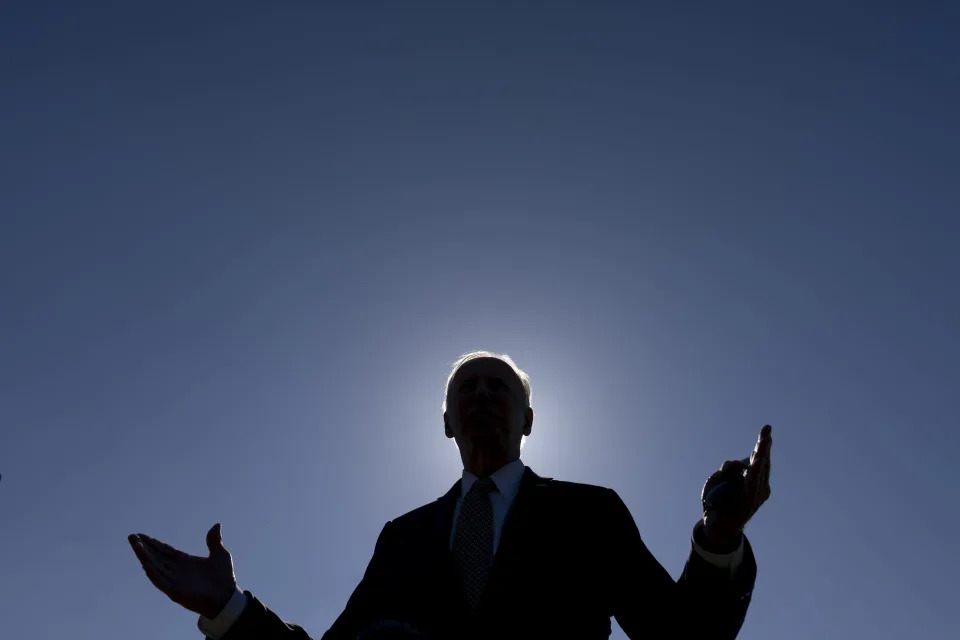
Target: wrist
715	540
214	608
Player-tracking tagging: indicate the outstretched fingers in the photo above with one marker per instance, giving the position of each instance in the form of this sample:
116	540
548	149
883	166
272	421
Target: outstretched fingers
158	572
161	548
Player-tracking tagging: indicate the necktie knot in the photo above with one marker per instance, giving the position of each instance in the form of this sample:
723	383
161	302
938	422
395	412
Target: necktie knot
483	486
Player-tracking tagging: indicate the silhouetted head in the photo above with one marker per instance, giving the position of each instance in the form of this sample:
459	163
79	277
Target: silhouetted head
487	410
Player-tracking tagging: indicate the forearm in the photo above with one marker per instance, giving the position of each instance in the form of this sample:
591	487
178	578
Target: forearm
707	600
715	598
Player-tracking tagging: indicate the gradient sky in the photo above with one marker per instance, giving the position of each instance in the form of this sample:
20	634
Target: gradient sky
241	245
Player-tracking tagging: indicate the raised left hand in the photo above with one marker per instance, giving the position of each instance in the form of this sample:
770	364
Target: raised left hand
748	487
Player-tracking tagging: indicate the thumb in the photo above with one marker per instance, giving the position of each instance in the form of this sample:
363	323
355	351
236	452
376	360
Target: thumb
215	540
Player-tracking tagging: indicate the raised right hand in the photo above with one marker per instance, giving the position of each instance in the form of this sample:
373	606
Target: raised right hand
202	585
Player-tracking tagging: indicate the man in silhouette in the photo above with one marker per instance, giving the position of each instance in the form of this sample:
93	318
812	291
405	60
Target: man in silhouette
506	553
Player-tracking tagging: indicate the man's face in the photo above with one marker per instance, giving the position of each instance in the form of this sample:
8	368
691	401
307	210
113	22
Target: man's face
486	407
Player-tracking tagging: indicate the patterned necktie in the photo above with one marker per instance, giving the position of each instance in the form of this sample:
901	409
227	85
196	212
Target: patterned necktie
473	540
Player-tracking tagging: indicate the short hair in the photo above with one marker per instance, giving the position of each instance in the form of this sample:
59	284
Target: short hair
473	355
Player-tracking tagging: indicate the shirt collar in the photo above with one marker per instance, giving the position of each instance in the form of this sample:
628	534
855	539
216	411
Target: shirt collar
506	478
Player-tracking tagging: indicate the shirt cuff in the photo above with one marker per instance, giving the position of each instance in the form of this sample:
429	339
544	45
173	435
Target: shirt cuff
729	561
217	627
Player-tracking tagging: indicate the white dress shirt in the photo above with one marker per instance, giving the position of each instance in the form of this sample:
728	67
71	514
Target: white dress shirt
507	480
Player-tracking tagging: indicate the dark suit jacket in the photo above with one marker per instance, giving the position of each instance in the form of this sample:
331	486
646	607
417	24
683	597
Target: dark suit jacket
570	556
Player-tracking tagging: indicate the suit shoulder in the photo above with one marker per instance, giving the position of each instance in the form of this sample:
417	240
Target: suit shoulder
599	505
577	488
579	491
419	517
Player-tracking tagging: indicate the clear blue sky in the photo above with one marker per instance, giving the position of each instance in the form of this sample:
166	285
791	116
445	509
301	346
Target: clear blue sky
240	247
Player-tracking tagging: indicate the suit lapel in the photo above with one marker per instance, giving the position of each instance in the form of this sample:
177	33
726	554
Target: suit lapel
439	547
530	486
514	528
443	520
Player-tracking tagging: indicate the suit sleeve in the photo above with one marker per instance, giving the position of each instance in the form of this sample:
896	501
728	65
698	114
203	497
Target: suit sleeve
258	622
705	602
369	599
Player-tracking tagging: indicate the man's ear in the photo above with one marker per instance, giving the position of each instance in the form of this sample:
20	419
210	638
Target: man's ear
528	421
447	431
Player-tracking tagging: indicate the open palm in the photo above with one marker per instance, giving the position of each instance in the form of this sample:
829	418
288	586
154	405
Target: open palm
202	585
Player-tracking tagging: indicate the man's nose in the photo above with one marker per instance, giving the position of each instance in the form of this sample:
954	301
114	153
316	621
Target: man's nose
481	390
